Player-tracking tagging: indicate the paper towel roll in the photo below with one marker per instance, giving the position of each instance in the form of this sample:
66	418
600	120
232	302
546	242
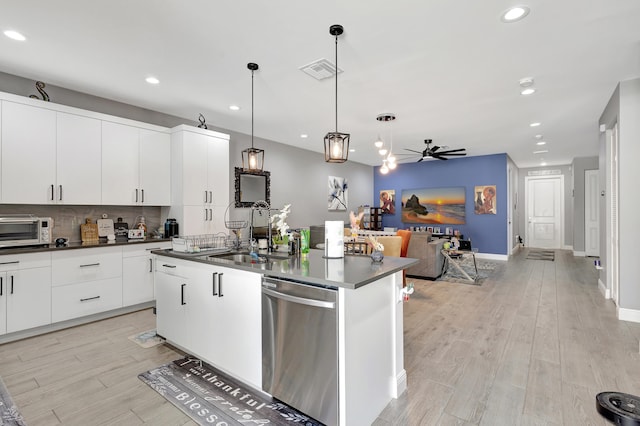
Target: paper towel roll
334	239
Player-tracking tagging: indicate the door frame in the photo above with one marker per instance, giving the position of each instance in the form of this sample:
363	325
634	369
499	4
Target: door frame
561	200
591	194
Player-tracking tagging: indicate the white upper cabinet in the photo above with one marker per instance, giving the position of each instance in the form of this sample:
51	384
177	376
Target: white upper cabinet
78	160
28	154
200	179
135	165
155	167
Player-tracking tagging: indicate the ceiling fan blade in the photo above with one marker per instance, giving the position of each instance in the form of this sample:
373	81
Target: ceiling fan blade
421	158
454	155
412	150
439	158
452	150
435	148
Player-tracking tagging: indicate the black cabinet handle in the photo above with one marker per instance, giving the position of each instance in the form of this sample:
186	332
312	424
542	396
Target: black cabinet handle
150	265
90	298
52	192
136	195
1	286
60	192
11	284
213	283
210	197
206	199
169	266
182	302
142	191
90	264
220	284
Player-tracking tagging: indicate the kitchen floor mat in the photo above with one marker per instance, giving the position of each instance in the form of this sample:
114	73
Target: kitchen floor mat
147	339
9	414
535	254
211	397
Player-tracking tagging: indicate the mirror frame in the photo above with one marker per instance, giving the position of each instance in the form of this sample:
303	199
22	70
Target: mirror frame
239	172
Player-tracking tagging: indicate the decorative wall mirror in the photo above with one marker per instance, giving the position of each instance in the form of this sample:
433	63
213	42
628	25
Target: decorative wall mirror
252	186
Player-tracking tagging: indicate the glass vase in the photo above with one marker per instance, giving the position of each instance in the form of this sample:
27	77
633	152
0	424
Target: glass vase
377	256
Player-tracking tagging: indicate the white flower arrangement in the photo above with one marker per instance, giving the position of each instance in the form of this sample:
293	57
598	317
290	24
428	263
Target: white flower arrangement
278	220
374	243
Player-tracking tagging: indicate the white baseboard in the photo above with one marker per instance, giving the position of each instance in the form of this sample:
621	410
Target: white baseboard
631	315
491	256
604	290
400	384
579	254
566	247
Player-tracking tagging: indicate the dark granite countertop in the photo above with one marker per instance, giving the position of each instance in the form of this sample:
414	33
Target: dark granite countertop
350	272
79	245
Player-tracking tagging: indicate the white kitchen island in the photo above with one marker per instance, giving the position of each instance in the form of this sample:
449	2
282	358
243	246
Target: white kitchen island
212	308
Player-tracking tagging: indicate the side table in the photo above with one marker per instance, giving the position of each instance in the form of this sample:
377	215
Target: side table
455	258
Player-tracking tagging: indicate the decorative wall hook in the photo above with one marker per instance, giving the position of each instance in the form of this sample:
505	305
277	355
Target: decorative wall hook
40	87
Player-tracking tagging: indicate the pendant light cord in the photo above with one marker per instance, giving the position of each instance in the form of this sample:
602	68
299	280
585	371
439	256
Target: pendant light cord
252	108
336	84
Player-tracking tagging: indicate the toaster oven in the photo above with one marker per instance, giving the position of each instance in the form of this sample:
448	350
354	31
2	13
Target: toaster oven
25	230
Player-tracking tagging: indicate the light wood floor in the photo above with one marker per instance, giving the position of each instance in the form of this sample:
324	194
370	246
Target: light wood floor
532	346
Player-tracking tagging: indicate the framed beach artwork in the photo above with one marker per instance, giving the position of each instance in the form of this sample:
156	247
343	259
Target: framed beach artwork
337	193
443	206
485	199
388	201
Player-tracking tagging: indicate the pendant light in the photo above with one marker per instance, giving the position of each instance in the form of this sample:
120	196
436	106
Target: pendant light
389	163
336	144
252	158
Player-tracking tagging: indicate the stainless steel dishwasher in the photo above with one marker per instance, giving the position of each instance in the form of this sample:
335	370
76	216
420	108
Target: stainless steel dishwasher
300	347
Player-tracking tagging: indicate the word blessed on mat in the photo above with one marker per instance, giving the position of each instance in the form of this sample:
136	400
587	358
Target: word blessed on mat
210	397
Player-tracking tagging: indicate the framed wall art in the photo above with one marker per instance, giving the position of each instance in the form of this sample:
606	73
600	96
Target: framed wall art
485	199
337	191
445	206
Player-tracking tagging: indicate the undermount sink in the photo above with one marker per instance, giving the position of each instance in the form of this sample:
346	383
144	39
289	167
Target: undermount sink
247	258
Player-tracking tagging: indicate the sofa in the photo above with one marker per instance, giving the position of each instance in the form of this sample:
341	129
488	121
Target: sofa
429	253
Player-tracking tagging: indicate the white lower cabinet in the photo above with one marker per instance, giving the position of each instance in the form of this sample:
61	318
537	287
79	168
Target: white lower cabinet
25	292
214	313
137	273
85	282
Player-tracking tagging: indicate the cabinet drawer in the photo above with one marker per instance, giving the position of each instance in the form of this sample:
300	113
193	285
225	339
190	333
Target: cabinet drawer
171	266
144	249
77	300
86	265
12	262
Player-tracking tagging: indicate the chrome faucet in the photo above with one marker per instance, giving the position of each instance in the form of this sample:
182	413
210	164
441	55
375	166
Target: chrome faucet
261	206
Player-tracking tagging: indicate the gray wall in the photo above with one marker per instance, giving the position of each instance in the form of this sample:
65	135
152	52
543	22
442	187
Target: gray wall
568	202
579	166
298	176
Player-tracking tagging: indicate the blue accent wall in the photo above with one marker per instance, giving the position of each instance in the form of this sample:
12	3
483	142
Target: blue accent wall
488	232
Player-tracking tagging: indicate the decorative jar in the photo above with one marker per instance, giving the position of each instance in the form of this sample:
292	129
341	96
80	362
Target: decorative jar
377	256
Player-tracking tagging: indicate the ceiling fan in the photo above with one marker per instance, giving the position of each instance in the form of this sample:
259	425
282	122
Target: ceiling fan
434	152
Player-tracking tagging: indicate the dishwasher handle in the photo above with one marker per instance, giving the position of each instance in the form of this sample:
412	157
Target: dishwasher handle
300	300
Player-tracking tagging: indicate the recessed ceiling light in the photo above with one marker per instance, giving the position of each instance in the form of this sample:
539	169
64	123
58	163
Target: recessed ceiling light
536	124
352	150
14	35
541	143
542	151
152	80
304	136
528	91
515	14
234	107
543	163
538	136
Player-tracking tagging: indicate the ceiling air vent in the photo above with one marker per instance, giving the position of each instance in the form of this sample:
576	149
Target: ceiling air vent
320	69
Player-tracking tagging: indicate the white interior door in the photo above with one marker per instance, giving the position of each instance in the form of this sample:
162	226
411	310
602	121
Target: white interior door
591	214
545	212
